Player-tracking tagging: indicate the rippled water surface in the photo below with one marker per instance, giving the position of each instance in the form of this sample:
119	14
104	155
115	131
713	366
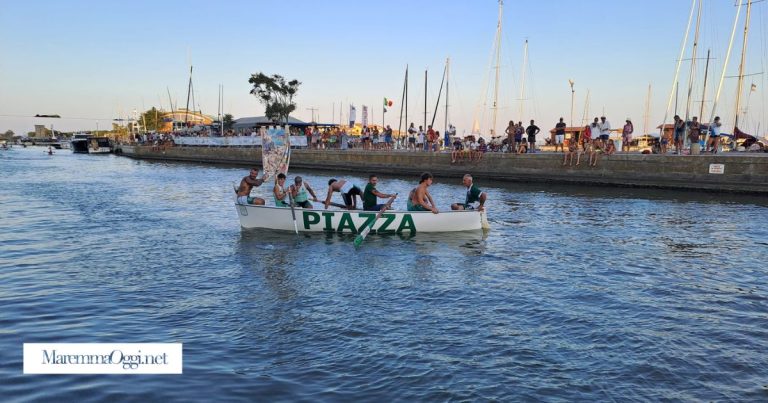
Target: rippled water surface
575	294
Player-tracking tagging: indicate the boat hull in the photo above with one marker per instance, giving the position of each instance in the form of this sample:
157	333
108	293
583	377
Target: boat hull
352	222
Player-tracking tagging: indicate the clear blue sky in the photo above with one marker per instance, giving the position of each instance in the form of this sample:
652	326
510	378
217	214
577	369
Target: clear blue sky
90	60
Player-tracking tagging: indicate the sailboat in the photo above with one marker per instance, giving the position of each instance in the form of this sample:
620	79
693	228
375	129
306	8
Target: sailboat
738	134
497	69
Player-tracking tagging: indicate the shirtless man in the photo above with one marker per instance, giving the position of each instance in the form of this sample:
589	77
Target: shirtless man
348	192
248	183
419	199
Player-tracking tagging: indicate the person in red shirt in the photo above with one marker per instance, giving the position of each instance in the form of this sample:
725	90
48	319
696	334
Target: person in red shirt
586	138
431	138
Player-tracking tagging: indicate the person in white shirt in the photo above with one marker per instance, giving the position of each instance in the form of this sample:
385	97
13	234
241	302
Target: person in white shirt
605	130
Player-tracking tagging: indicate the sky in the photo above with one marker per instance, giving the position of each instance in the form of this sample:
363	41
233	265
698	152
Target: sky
94	61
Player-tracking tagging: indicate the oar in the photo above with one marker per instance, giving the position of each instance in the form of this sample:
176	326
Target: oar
293	213
360	237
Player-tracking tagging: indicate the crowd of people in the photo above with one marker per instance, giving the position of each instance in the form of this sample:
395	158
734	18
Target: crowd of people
690	137
301	194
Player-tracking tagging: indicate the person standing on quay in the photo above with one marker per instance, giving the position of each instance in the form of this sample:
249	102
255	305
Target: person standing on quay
411	137
511	144
532	130
559	135
679	131
432	137
694	134
714	135
626	135
447	138
605	131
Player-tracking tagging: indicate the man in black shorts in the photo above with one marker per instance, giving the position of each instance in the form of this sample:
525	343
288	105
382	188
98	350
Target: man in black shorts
532	130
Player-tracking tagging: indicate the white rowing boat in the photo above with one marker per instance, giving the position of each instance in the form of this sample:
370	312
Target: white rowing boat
353	221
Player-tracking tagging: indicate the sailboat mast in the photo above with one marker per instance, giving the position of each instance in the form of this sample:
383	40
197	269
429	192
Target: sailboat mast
692	74
189	92
221	120
425	99
447	81
498	70
704	91
439	92
522	80
677	70
406	98
647	109
585	116
173	115
725	66
403	104
741	67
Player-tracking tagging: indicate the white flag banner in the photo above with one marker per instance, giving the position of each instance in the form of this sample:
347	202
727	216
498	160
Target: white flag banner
365	115
352	115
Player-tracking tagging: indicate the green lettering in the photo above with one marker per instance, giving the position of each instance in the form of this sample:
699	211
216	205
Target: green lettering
328	215
346	223
369	217
406	223
388	218
310	218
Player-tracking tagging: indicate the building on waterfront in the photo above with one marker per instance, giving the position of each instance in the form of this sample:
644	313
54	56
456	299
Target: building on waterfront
181	118
259	121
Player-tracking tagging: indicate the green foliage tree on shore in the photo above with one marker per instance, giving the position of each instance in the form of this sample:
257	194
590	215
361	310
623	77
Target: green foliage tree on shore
228	121
151	119
276	94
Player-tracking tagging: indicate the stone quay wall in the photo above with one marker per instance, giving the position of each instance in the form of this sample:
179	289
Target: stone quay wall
729	172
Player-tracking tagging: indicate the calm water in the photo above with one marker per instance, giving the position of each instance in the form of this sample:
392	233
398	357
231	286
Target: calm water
575	294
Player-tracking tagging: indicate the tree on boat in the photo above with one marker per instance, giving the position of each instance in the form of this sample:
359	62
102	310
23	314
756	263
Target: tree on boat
276	94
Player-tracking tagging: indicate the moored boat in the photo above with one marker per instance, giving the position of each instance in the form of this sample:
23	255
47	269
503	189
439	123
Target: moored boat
84	143
79	143
353	221
99	145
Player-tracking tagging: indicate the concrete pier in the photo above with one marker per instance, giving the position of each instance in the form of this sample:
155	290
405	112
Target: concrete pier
729	172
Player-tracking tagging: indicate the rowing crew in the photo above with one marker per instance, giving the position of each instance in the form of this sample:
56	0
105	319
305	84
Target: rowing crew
419	198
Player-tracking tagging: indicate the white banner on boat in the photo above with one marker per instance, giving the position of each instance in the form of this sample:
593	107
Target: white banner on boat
242	141
275	150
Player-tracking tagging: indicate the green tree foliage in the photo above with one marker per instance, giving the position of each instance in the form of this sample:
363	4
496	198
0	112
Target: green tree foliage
151	119
229	121
275	94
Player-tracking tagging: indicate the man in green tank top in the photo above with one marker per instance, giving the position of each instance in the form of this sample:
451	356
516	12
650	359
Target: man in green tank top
279	191
300	191
371	195
474	195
